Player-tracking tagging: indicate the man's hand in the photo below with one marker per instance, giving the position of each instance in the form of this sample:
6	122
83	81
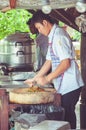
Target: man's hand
42	80
29	82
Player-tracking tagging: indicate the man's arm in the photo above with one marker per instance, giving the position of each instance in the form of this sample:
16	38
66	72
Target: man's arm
63	66
45	68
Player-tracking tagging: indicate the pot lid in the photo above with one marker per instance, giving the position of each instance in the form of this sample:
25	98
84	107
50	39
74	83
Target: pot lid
19	37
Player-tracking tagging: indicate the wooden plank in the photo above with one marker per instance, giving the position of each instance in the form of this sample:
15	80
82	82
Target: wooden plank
37	4
4	117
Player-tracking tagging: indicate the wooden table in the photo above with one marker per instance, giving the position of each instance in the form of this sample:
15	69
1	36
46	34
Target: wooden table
5	108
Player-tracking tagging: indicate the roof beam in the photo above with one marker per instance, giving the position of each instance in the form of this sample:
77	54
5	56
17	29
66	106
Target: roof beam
62	15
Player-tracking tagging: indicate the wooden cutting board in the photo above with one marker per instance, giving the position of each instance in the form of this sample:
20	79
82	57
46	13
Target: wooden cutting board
33	95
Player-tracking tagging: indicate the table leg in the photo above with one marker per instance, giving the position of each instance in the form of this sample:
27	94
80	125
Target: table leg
4	110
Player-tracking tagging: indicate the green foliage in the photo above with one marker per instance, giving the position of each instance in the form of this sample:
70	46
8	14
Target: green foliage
61	24
14	20
76	35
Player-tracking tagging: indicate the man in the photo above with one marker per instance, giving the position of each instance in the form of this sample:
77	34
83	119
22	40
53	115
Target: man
60	57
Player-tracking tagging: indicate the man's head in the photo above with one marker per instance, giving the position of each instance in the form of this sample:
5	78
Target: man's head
42	22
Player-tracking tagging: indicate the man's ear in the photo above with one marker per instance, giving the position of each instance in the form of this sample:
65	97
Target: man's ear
45	22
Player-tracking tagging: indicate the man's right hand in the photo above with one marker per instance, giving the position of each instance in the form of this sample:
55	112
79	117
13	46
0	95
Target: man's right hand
29	82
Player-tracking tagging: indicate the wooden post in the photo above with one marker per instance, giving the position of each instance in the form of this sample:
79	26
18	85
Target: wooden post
83	93
12	3
4	116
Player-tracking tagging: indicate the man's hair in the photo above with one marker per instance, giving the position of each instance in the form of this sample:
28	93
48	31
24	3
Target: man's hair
39	16
32	27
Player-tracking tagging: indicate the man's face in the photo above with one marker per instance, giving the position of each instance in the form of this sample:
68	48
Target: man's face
43	28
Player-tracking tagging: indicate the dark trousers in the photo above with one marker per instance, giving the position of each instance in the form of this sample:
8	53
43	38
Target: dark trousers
69	101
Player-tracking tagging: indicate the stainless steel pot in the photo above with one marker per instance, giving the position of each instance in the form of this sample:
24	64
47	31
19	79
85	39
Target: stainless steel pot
17	52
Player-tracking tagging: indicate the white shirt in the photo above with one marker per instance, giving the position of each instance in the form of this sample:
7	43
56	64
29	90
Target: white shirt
63	49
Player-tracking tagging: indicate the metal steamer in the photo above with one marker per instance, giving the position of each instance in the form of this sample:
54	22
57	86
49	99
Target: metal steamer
17	51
